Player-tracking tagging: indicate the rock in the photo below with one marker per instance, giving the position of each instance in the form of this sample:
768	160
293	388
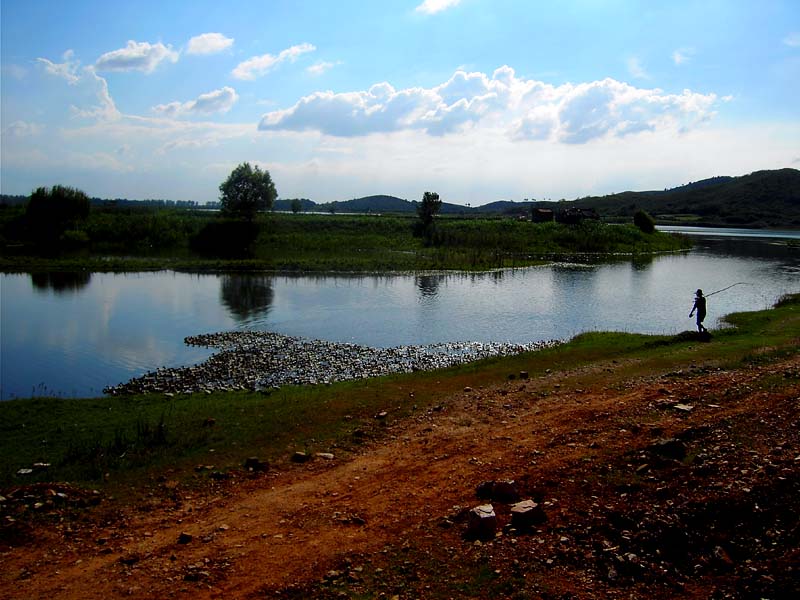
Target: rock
253	463
482	522
505	492
300	457
382	415
209	422
721	559
485	490
669	448
24	471
185	538
324	455
526	513
467	389
523	375
683	407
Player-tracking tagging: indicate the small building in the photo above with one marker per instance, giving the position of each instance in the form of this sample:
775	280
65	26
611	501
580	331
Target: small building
574	216
542	215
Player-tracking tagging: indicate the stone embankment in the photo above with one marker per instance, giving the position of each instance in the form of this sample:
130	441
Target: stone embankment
260	361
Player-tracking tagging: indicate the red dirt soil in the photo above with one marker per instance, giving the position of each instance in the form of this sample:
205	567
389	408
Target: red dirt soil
712	514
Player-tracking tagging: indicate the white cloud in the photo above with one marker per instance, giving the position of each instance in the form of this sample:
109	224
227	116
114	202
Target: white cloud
258	66
106	109
792	40
524	109
636	68
217	101
431	7
21	129
682	56
87	81
321	67
67	70
136	56
208	43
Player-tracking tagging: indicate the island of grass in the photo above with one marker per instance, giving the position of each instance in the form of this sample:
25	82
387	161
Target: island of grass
145	238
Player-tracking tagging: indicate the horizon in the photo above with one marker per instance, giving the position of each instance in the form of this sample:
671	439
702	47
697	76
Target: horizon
480	101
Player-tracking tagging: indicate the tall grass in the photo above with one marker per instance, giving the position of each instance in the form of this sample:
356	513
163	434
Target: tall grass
196	239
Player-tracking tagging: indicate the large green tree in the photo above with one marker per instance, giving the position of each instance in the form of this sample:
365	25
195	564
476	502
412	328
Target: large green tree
246	191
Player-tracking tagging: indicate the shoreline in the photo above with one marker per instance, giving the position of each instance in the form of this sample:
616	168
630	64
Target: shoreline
263	361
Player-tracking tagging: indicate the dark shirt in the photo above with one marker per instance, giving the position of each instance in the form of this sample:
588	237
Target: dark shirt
700	306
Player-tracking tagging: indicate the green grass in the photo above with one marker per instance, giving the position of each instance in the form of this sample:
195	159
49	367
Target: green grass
130	437
147	239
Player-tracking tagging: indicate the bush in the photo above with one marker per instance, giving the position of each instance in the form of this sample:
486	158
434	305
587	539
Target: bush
644	221
50	212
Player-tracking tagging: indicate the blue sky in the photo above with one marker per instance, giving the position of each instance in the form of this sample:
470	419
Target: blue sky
479	100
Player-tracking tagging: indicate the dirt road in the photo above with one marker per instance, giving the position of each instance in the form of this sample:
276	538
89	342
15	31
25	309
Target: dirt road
712	513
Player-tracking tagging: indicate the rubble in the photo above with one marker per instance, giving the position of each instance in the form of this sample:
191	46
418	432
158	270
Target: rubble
262	361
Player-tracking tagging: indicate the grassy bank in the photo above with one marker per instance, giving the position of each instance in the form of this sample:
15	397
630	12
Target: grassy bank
115	441
144	239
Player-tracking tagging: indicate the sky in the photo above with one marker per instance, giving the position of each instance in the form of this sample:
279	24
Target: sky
478	100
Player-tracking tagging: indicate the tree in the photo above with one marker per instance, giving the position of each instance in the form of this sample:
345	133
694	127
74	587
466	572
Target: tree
428	208
53	211
246	191
297	205
644	221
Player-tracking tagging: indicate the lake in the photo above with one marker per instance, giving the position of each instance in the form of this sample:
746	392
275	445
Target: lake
72	334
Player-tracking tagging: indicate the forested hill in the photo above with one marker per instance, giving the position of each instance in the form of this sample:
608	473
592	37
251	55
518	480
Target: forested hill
760	199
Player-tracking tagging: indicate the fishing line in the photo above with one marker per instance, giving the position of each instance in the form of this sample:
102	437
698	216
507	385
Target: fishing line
729	287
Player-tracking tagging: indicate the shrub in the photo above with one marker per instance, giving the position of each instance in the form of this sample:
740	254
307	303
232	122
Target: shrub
644	221
50	212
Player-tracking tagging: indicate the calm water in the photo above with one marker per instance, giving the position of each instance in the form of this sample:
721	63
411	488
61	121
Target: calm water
71	335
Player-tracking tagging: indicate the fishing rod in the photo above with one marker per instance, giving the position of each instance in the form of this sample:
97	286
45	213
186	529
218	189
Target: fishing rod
729	287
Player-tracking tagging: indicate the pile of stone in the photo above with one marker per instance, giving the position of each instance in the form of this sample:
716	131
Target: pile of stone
261	361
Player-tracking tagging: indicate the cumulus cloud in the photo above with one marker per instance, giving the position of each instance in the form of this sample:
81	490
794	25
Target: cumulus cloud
524	109
67	70
258	66
21	129
792	40
208	43
217	101
136	56
431	7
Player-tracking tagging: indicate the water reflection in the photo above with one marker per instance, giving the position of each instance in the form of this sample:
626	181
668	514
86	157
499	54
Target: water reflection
428	285
100	329
61	282
246	296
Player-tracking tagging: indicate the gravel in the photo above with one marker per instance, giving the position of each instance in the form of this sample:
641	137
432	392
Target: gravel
260	361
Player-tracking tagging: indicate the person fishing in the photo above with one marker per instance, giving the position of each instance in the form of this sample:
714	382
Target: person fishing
700	307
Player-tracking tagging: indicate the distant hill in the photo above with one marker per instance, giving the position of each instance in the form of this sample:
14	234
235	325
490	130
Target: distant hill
760	199
285	204
380	204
